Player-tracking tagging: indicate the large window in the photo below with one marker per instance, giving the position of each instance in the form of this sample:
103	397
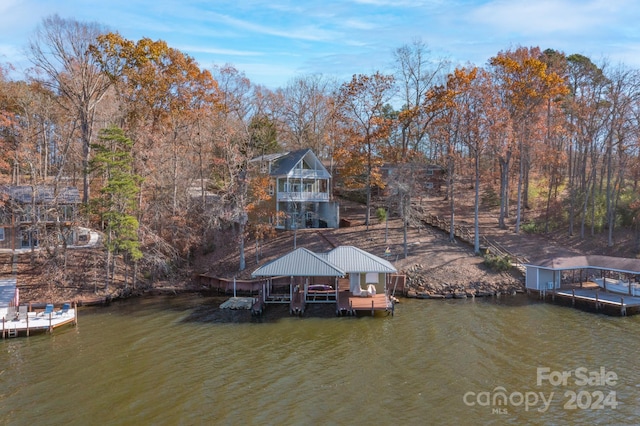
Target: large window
1	234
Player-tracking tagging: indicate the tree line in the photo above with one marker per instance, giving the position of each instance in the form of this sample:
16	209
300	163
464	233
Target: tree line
160	147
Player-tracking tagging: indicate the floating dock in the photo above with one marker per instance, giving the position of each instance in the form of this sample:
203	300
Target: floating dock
20	319
25	323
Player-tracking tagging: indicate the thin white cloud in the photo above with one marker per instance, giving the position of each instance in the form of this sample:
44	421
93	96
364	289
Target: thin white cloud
219	51
358	24
308	32
398	3
545	16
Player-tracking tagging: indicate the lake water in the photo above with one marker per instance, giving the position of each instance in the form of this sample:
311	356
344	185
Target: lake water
181	361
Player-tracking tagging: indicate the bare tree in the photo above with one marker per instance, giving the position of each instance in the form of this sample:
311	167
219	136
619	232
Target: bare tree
303	113
60	52
416	73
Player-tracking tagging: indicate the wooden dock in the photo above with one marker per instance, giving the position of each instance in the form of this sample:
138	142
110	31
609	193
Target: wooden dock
352	305
25	323
592	297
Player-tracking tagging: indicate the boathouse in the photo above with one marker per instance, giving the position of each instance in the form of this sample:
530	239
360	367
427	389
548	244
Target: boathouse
348	277
604	281
603	270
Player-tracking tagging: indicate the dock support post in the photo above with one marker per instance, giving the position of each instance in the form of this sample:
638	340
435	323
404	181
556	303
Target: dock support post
573	297
2	327
597	302
623	309
372	308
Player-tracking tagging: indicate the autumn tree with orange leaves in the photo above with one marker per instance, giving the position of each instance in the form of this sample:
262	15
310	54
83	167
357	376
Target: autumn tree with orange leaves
165	102
360	108
525	85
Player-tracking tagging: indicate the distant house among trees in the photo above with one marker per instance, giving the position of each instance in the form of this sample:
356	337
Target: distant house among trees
427	178
30	213
299	190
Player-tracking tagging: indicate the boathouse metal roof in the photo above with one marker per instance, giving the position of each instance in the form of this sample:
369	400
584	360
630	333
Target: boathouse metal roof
299	263
353	259
336	263
610	263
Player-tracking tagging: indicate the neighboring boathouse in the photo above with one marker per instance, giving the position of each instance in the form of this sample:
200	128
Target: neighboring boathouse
605	282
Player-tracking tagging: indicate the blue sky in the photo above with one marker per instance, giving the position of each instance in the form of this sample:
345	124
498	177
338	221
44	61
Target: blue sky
277	40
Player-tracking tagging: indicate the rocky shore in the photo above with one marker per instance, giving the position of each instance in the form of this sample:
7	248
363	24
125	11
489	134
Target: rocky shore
426	283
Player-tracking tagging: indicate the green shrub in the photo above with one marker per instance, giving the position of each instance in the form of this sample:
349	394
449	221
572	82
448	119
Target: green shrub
497	263
381	214
530	227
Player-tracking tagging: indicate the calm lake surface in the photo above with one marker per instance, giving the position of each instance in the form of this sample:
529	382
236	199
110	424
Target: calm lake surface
181	361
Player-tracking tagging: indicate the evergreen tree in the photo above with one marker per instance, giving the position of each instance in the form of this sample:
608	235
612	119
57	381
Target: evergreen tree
116	205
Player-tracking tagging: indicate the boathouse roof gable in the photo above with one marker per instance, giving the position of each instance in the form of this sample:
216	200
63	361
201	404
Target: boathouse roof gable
338	262
620	264
299	263
353	259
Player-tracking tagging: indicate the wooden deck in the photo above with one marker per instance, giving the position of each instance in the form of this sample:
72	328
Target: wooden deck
346	304
36	321
352	305
590	295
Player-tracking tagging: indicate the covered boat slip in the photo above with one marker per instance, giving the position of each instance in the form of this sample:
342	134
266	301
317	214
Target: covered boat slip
600	300
337	277
604	282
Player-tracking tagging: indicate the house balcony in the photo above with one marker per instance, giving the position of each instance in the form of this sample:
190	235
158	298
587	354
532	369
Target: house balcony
303	196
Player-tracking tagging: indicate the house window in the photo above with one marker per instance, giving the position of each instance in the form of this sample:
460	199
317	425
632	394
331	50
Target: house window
1	234
428	185
429	172
271	189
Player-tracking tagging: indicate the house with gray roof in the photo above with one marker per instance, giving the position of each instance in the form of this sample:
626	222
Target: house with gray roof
300	190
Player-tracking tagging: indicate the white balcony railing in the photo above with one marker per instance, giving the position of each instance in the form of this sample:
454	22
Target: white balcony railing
303	196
